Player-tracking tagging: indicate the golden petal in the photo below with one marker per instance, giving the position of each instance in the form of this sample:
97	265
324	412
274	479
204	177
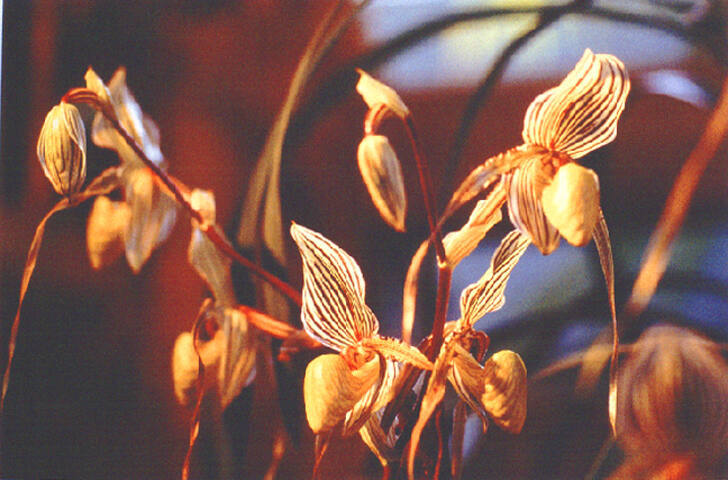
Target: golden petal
571	203
238	355
105	229
505	389
382	174
331	389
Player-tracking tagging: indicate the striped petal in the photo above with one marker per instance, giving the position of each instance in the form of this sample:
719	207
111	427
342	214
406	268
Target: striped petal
524	186
374	399
237	363
486	295
381	443
487	212
333	310
580	115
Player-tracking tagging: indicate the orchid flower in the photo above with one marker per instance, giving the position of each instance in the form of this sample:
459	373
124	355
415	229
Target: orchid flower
231	350
357	381
153	211
549	194
497	389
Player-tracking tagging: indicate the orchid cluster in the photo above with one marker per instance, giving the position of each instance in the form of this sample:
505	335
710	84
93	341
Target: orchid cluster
548	195
360	388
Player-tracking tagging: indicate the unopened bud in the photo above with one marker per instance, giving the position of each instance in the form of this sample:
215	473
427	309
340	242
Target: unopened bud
382	174
376	93
62	149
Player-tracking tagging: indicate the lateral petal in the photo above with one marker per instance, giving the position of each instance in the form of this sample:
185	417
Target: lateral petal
487	294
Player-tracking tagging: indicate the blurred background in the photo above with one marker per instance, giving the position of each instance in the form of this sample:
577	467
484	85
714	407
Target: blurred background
91	392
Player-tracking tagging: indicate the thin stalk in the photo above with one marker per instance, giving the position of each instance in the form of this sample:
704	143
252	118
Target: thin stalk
444	271
427	190
88	97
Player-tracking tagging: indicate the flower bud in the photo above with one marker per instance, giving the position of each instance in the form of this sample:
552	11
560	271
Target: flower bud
382	174
375	93
62	149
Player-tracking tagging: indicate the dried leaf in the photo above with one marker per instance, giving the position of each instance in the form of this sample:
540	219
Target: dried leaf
505	393
524	186
333	310
580	115
382	174
331	389
376	93
105	229
486	213
487	294
409	294
153	213
571	203
61	149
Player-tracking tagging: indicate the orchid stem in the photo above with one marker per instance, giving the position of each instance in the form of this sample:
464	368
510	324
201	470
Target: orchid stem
444	272
90	98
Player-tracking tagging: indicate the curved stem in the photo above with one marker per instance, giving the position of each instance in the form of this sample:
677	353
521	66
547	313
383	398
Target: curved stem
89	97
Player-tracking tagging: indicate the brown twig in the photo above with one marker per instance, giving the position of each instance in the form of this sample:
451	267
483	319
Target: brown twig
84	95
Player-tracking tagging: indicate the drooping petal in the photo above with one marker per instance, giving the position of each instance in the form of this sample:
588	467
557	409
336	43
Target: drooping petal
580	115
381	443
209	262
331	389
571	203
105	229
375	93
461	243
524	186
153	213
130	115
61	149
487	294
333	310
382	174
374	399
237	362
96	85
505	392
